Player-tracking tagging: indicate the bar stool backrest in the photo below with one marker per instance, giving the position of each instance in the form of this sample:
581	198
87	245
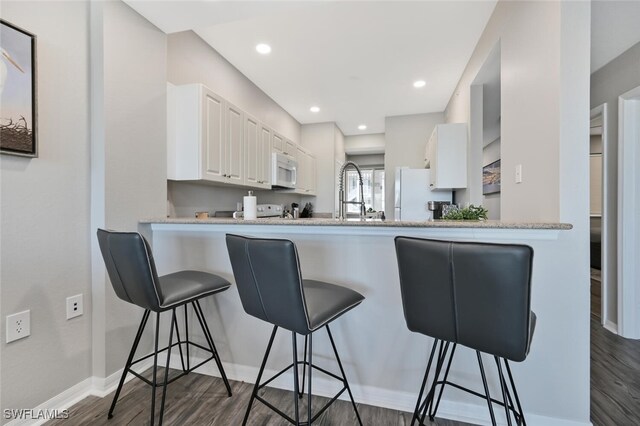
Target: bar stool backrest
267	273
474	294
132	271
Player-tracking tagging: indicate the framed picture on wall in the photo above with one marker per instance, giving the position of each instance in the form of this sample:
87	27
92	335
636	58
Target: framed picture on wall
18	108
491	178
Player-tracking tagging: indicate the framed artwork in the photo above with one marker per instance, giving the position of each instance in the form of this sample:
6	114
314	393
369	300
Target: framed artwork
491	178
18	107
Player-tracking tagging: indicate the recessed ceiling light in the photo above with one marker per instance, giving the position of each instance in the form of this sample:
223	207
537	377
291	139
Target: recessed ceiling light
419	83
362	127
314	109
263	49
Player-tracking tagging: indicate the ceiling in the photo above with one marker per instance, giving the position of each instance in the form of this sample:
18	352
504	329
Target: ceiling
615	27
356	60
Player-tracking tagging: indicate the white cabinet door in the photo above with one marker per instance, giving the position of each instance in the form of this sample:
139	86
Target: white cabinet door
213	141
264	157
278	142
301	157
448	156
253	151
289	148
312	177
235	144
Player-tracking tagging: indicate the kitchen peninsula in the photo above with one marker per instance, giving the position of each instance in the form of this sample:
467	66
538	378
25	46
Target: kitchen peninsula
383	360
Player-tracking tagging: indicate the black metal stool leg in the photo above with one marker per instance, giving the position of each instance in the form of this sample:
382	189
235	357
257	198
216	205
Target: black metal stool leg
442	355
304	359
175	323
257	384
295	378
186	334
166	370
416	412
155	370
486	389
310	368
344	376
127	366
212	345
515	393
432	415
503	387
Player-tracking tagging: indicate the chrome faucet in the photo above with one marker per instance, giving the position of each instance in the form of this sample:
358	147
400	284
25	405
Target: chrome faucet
342	202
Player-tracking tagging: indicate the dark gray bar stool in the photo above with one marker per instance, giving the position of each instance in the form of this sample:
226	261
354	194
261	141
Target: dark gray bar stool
267	273
473	294
132	272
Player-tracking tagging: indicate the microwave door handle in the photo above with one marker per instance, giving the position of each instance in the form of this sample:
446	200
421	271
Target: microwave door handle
295	175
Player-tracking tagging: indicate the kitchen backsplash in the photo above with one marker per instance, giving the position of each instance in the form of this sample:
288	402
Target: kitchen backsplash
186	198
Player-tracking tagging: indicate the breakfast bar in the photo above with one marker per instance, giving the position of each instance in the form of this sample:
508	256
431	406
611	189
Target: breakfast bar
383	360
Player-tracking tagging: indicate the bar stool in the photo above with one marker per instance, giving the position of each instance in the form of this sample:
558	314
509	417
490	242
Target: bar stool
474	294
132	271
268	278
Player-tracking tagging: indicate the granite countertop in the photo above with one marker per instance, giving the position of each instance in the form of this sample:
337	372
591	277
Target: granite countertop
493	224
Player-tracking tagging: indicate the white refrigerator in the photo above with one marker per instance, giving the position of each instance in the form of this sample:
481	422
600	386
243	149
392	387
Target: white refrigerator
412	194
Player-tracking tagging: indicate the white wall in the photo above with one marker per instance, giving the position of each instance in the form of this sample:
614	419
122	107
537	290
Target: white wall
44	218
491	202
134	152
406	137
617	77
545	125
364	144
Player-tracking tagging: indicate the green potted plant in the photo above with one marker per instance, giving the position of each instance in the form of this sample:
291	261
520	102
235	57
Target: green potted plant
467	213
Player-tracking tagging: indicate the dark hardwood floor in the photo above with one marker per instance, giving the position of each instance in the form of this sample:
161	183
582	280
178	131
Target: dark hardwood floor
615	372
201	400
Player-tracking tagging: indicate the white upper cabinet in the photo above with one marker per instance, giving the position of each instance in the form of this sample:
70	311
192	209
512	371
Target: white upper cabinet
210	139
235	144
252	135
446	156
258	155
306	183
278	142
289	148
264	156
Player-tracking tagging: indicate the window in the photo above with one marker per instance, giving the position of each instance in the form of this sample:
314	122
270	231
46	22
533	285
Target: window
372	187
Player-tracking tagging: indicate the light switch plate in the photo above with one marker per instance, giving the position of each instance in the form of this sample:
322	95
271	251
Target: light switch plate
18	325
519	173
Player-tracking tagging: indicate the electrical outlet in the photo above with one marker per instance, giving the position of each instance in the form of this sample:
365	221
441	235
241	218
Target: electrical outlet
18	325
74	306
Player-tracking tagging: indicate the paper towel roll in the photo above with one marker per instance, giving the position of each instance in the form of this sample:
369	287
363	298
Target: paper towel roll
250	206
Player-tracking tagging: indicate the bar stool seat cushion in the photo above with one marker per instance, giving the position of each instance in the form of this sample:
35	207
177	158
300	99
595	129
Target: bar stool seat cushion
325	301
180	287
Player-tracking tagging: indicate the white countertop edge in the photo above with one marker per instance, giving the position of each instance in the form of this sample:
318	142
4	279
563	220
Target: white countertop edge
390	231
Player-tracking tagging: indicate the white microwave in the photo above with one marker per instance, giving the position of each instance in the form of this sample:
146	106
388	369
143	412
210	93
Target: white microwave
284	171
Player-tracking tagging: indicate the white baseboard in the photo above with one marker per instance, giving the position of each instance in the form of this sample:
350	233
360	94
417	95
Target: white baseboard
397	400
611	326
92	386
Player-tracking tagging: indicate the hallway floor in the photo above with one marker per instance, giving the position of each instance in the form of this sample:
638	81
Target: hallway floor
615	371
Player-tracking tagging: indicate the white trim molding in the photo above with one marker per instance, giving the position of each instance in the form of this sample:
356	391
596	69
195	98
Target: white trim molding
91	386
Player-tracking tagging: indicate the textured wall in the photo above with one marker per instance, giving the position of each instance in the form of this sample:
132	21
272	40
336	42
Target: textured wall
44	214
